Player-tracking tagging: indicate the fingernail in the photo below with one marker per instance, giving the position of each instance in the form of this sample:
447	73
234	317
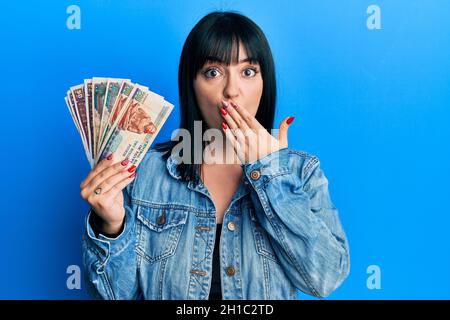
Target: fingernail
124	162
131	176
225	104
131	169
223	111
224	126
289	120
234	104
109	157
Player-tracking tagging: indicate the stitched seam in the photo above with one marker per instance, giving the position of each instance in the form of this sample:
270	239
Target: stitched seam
107	285
175	206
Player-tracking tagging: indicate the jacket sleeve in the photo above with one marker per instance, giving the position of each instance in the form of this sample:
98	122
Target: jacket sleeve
110	264
293	205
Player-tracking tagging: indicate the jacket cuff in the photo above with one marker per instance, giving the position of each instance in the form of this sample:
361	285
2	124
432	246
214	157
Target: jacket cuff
105	247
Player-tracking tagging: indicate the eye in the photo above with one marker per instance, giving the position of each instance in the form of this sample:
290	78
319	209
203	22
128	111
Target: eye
212	73
250	72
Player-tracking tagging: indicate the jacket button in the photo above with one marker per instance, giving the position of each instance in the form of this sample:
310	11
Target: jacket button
161	219
255	174
231	226
231	271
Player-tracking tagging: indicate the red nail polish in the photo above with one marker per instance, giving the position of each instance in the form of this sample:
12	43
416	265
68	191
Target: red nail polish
109	157
223	111
224	126
124	162
131	176
289	120
131	169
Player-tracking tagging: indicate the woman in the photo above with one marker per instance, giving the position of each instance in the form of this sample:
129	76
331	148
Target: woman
258	226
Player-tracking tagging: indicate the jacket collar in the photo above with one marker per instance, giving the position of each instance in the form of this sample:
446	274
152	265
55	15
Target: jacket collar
171	165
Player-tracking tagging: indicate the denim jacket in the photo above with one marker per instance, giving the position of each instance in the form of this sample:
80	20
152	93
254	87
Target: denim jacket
280	233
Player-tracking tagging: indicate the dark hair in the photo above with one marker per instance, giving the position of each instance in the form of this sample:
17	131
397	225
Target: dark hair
217	36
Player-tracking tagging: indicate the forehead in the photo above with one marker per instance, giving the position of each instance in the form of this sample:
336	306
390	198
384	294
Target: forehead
234	56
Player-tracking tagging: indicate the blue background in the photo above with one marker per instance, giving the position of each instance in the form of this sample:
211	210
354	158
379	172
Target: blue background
372	104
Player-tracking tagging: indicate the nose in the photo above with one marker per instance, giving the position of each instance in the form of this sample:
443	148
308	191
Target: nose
231	89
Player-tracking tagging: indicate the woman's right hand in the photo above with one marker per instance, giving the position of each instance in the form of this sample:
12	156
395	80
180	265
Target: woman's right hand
102	189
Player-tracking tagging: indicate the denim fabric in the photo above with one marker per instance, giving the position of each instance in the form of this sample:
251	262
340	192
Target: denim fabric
286	236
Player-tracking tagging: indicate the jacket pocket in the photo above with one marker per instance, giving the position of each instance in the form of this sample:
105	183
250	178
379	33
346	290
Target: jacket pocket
159	231
262	243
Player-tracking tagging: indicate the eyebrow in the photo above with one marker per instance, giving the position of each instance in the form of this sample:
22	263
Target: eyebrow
216	59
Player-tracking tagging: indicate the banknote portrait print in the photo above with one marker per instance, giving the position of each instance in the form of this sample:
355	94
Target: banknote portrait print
137	120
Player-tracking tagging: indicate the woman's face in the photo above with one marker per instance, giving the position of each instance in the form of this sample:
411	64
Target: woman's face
240	82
